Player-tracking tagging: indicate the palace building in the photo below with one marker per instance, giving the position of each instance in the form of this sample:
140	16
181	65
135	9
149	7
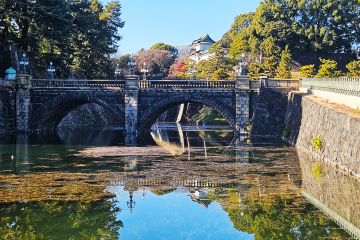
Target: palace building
200	48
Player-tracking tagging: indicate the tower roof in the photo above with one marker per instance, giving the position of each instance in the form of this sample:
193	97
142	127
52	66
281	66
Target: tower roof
205	38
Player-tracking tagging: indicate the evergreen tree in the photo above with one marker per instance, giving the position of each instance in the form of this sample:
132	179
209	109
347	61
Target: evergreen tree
308	71
271	61
283	70
354	69
328	69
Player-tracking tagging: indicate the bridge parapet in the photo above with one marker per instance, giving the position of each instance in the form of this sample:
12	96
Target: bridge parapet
38	84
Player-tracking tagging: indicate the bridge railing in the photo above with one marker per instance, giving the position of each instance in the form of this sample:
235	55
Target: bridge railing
255	84
76	84
282	83
347	86
181	84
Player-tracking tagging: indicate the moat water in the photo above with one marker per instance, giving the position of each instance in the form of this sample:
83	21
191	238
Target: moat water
180	182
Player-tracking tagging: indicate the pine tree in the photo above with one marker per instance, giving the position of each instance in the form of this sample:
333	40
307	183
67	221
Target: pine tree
328	69
271	61
283	70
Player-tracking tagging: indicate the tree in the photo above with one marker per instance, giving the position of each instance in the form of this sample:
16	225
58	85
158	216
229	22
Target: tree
162	46
220	74
157	61
283	70
271	61
255	70
308	71
79	34
328	69
354	69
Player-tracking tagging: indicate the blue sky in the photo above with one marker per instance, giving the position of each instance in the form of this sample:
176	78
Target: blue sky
176	22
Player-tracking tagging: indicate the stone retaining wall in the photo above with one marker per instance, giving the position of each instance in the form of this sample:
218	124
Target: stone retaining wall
270	111
340	133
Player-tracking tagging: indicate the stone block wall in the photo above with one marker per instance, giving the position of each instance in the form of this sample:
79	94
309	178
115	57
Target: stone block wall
7	111
340	133
270	111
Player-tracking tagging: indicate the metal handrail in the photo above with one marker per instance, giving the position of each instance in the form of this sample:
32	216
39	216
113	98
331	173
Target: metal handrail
347	86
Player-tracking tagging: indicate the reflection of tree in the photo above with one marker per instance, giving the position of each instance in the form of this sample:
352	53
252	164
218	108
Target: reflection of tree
60	220
161	192
282	216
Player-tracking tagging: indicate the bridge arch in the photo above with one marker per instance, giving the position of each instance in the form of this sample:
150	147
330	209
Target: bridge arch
50	114
153	112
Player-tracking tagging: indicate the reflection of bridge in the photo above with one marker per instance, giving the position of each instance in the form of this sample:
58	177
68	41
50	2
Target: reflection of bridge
135	105
151	182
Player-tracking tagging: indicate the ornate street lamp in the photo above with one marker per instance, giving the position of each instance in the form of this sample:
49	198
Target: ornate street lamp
241	65
131	203
51	70
24	61
132	63
144	69
191	72
117	72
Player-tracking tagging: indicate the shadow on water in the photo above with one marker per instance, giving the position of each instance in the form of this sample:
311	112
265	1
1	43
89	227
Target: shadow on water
77	182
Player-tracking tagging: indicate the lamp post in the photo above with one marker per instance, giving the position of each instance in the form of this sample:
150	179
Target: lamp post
24	61
51	70
144	69
117	72
191	72
132	63
131	203
241	65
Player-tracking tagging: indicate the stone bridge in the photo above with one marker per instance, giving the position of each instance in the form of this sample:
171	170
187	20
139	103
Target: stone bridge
28	104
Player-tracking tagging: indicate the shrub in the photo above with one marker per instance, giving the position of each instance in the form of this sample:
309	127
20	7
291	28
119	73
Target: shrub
317	142
308	71
286	132
328	69
354	69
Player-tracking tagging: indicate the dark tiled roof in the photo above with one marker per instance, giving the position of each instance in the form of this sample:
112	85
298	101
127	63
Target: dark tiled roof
205	38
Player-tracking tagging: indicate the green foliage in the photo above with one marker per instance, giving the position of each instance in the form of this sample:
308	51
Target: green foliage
286	131
61	220
255	70
304	26
328	69
238	47
308	71
208	115
161	192
355	111
354	69
317	142
282	216
316	171
220	74
162	46
284	68
271	61
76	34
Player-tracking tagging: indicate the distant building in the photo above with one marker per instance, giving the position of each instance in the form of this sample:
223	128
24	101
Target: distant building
199	49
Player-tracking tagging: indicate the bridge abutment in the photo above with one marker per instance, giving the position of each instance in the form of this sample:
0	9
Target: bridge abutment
131	104
23	84
242	99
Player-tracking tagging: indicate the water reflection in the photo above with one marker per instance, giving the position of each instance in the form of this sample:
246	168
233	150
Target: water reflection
180	180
